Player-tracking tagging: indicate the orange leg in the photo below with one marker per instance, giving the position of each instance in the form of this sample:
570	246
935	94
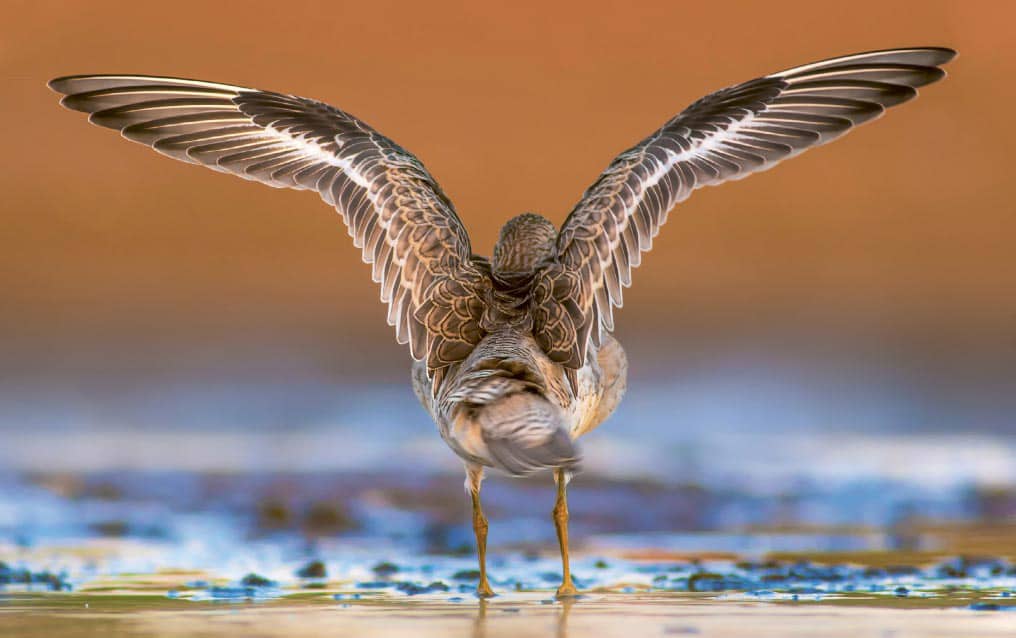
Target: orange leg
473	481
567	587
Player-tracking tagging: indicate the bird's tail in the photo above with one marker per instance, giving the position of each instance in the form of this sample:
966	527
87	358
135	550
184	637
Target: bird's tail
510	424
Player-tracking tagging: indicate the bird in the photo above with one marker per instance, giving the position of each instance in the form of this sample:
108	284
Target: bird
513	355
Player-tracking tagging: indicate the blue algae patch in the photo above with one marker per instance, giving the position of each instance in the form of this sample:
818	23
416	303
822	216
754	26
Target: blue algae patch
466	574
26	578
974	567
256	581
314	570
237	594
981	606
706	581
250	588
347	596
414	589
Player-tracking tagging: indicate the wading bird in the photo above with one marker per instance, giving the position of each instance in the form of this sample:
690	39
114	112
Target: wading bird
513	356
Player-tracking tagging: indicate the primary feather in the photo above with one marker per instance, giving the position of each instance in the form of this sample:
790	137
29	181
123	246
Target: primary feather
727	135
394	210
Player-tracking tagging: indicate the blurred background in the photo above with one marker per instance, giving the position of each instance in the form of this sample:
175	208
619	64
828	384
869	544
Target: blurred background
843	324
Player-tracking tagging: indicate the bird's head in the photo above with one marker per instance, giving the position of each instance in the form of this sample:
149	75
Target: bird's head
526	241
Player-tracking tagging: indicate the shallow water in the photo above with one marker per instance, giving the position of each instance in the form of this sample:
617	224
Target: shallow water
179	553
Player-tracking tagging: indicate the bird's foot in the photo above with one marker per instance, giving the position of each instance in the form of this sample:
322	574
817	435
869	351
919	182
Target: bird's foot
567	590
483	590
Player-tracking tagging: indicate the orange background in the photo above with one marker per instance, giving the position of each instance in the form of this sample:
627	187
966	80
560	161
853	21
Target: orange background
888	251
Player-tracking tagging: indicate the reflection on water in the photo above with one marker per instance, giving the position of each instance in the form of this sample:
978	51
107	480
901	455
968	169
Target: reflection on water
562	617
480	624
510	616
564	607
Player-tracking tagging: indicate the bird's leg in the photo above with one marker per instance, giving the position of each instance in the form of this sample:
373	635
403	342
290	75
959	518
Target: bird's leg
474	477
567	587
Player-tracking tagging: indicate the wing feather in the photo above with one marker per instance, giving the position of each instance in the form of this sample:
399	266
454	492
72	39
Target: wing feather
394	210
724	136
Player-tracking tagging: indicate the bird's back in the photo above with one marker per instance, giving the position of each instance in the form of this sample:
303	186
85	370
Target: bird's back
508	404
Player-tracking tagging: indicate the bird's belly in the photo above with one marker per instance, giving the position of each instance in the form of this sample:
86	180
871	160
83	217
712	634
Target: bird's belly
582	410
600	385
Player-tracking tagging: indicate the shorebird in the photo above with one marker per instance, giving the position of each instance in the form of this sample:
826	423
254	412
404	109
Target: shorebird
513	355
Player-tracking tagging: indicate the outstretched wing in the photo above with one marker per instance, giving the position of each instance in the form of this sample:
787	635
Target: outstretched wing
724	136
394	210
